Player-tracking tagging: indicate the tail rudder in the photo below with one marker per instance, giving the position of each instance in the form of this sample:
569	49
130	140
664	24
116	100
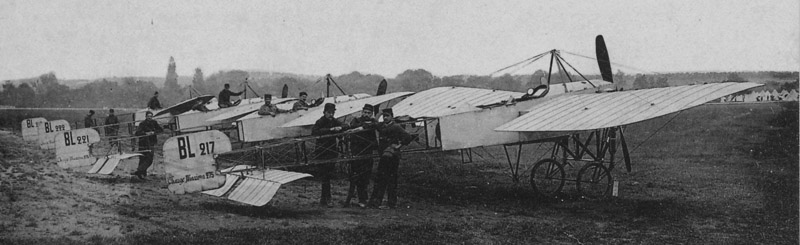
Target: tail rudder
189	161
382	87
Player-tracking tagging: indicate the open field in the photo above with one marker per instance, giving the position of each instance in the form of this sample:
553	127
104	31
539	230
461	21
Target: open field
719	174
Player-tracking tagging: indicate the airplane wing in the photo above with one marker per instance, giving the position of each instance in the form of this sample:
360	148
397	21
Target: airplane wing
442	101
244	110
604	110
343	108
183	106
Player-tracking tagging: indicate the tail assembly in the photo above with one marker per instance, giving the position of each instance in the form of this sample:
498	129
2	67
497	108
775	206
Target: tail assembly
189	161
72	147
602	59
191	167
285	91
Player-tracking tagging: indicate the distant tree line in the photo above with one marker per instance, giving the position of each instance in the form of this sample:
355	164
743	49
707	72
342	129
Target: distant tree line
129	92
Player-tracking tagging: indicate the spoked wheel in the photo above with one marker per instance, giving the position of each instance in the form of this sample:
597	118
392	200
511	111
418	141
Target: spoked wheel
594	181
547	177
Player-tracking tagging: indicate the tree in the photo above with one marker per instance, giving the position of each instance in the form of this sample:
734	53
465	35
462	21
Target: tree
24	96
171	84
640	82
619	79
198	82
734	77
661	82
414	80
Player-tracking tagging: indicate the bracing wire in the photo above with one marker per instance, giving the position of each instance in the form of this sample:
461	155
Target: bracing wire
531	59
657	130
617	64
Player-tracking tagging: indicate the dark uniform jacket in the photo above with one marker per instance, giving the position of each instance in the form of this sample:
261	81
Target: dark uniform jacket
393	134
154	104
225	96
363	142
112	120
300	105
148	125
325	148
88	122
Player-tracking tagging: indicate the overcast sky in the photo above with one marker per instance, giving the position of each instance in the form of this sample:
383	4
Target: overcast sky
93	39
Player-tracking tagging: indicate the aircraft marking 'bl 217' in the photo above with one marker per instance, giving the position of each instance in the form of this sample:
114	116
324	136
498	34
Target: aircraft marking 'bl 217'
189	161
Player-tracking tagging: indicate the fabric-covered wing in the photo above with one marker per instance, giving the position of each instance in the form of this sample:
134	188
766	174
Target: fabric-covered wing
343	108
184	106
243	110
442	101
595	111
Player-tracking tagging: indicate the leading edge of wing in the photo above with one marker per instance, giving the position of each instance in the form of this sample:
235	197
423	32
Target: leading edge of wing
603	110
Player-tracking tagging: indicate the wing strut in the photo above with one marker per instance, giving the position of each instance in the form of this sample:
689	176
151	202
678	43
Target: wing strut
330	80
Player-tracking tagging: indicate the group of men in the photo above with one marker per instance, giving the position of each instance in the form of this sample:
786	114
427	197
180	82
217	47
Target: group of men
111	122
363	143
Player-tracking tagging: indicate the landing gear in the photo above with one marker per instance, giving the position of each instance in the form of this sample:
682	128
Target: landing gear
547	177
594	181
596	153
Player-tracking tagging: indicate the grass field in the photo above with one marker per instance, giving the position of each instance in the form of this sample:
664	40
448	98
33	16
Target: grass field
716	174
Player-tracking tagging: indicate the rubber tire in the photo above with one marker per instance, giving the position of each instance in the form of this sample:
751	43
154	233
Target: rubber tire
544	182
594	181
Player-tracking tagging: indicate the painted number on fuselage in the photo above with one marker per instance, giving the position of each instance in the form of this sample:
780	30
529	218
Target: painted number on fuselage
48	128
185	148
69	140
29	123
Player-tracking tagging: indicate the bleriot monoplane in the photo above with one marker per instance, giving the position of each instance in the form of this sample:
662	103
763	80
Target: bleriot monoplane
458	118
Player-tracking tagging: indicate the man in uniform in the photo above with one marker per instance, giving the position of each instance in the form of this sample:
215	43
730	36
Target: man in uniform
362	144
112	124
326	150
301	104
225	97
88	121
268	108
149	129
392	138
154	104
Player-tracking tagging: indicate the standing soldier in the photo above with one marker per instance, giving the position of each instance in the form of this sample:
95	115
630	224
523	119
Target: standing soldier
326	150
112	124
392	138
88	121
154	104
362	144
148	128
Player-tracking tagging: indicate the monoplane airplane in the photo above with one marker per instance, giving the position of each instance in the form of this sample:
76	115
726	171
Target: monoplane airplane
455	118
